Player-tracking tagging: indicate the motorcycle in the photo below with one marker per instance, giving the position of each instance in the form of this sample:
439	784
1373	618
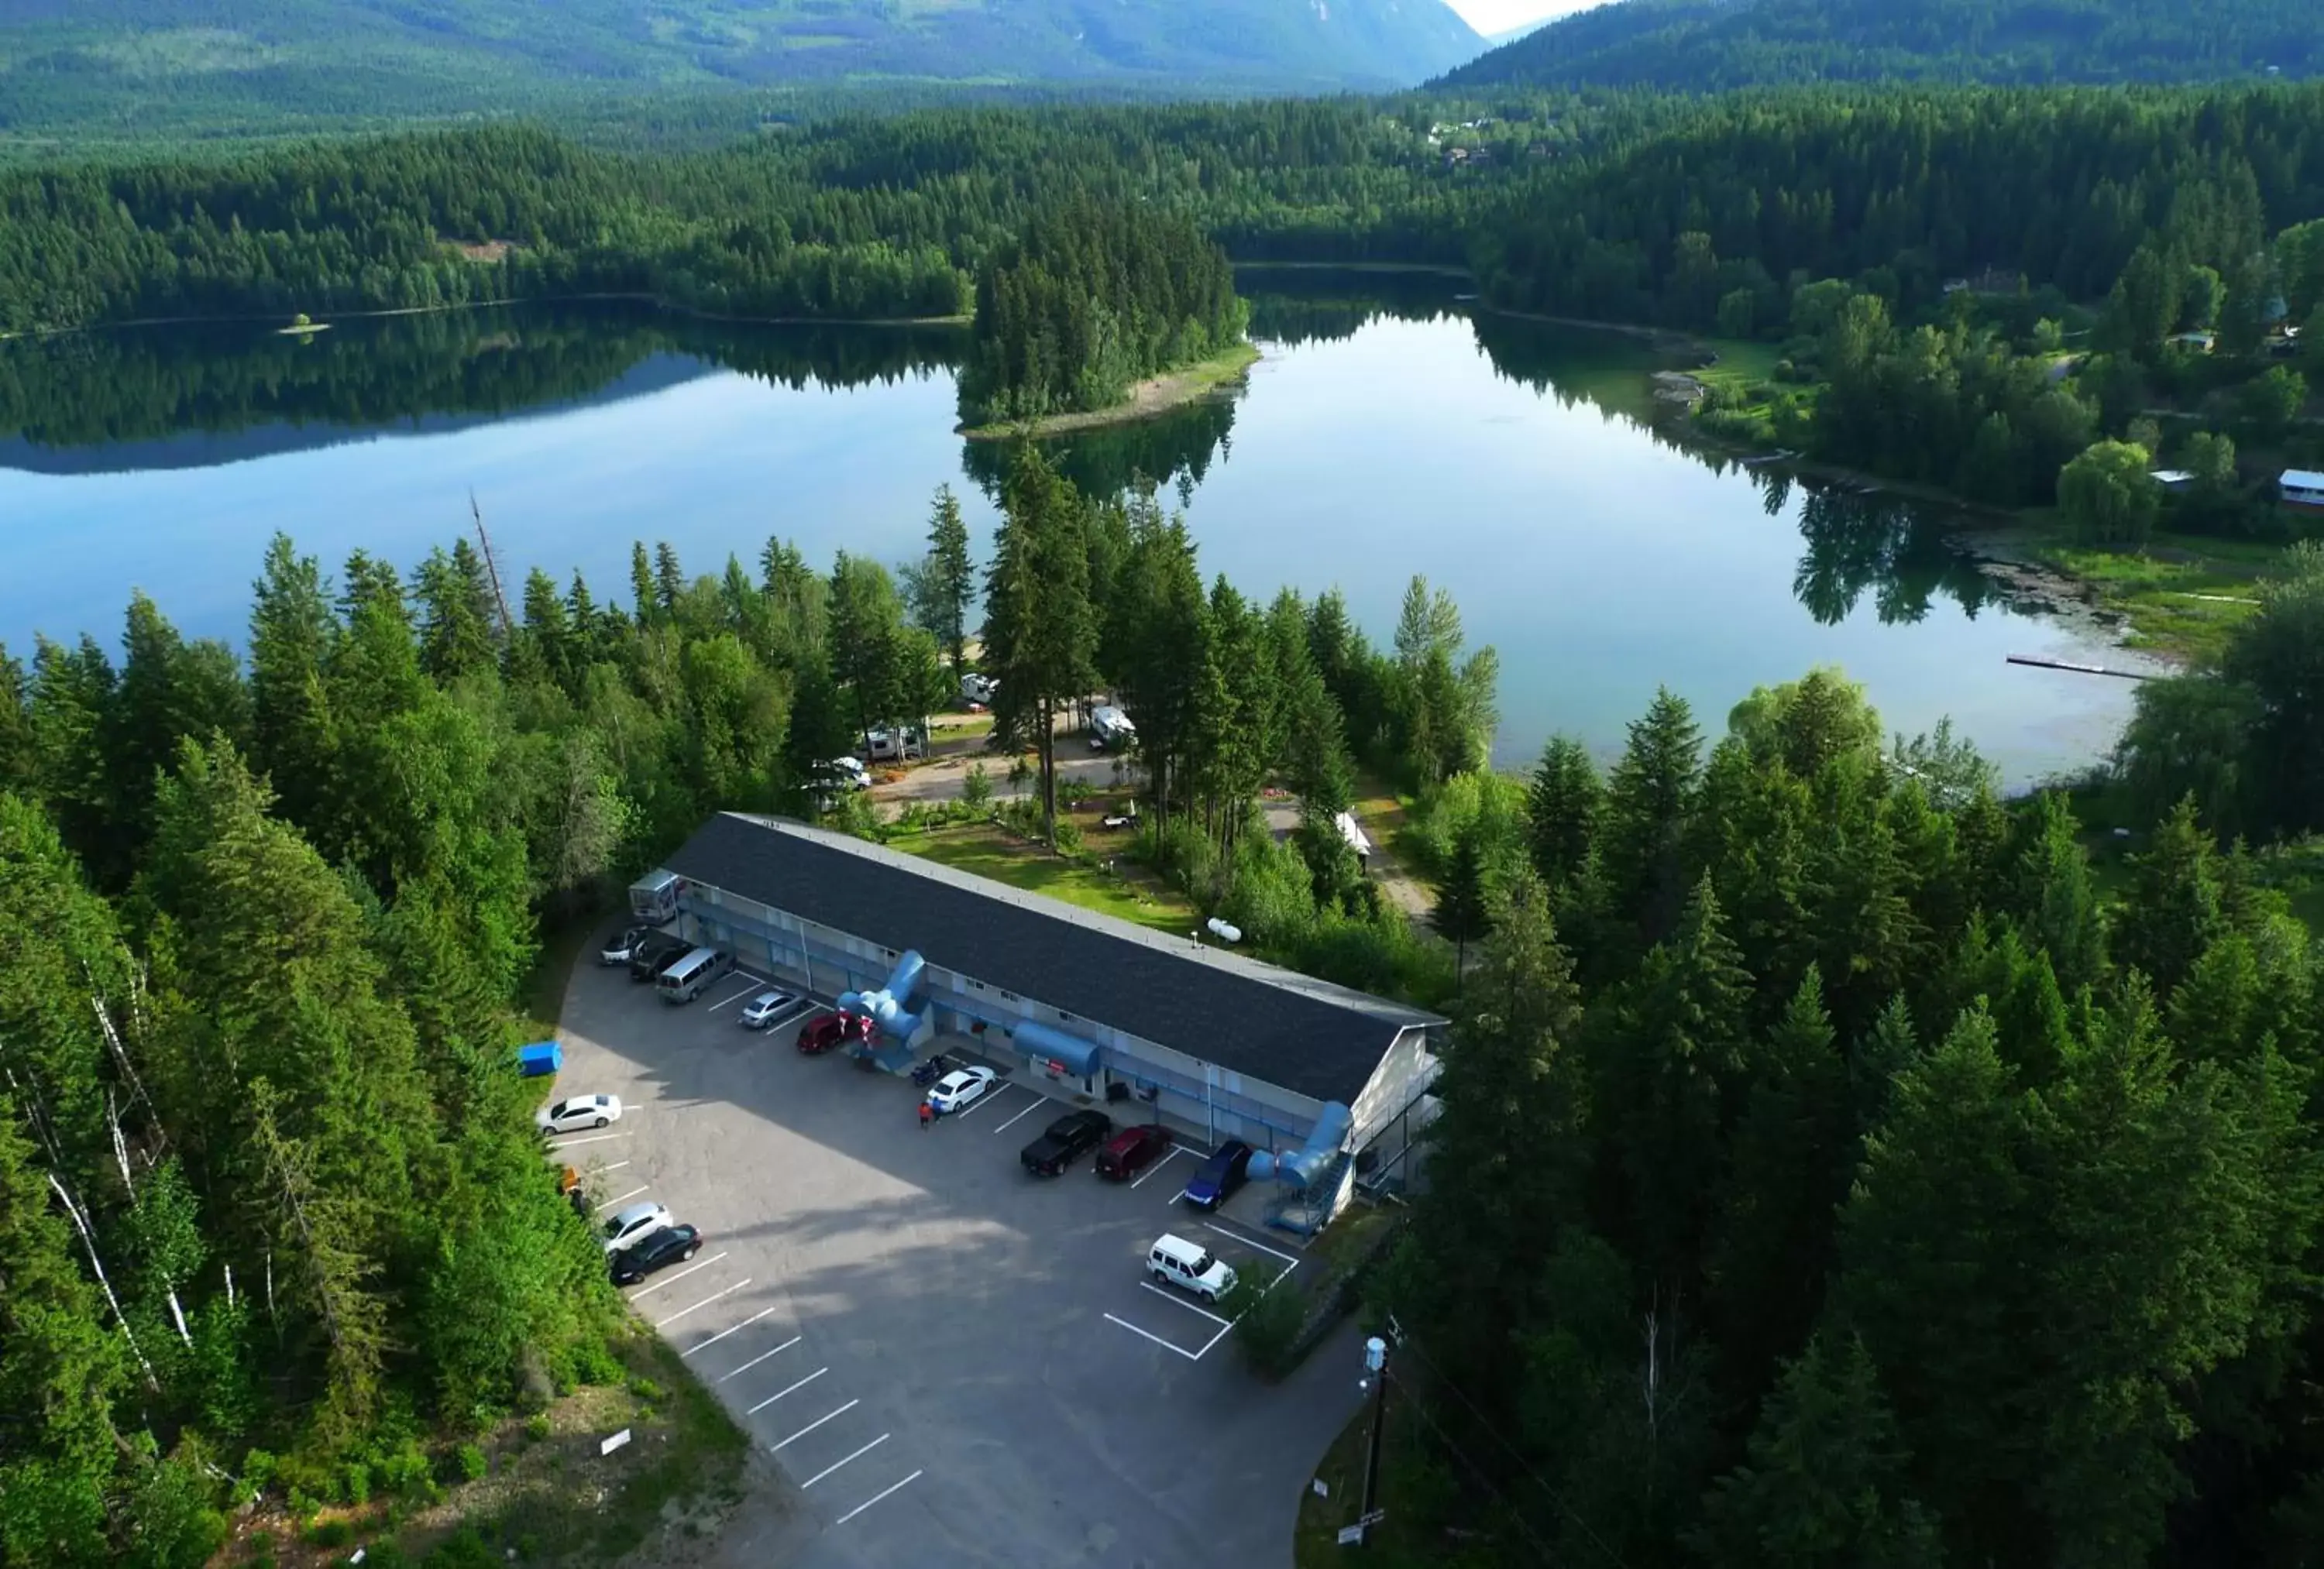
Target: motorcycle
934	1069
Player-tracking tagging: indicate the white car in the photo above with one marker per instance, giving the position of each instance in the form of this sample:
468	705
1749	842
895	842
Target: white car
624	947
636	1223
846	773
582	1111
767	1007
959	1090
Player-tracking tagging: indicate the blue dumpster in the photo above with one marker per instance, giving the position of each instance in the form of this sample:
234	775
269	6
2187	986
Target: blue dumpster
543	1058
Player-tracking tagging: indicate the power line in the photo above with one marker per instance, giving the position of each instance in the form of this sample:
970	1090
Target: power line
1516	1516
1511	1450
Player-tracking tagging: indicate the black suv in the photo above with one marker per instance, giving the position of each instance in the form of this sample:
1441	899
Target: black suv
1068	1137
656	951
642	1258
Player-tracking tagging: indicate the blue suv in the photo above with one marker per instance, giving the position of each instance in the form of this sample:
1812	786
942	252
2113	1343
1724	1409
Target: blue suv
1221	1175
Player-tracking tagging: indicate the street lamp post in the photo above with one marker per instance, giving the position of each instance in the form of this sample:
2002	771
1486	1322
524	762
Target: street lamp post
1375	1380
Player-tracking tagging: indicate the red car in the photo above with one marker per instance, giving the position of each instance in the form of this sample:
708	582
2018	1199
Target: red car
819	1035
1123	1155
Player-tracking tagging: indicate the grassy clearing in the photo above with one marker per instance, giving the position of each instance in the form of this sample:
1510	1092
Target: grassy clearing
2182	595
1127	893
1742	362
1314	1541
536	1489
1155	395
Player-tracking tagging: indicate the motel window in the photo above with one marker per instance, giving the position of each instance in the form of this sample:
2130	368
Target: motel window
1011	996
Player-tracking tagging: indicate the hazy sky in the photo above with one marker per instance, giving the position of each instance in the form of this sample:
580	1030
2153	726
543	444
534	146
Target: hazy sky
1491	16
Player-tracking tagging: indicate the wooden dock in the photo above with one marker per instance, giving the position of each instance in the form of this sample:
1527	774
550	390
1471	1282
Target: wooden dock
2079	669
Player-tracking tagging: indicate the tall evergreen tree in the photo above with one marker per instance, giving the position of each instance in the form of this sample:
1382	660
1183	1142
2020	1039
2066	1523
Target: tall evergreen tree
1040	628
1647	797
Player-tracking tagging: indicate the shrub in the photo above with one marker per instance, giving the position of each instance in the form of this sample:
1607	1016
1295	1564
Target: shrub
536	1427
1069	836
466	1550
470	1459
358	1483
645	1389
1266	1322
329	1533
1073	790
976	787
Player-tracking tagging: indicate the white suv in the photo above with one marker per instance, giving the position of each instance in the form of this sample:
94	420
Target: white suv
1176	1262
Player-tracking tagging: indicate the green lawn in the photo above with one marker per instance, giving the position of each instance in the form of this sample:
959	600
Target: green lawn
2182	595
1131	893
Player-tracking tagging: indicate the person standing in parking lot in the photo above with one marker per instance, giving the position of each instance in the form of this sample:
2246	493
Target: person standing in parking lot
927	1114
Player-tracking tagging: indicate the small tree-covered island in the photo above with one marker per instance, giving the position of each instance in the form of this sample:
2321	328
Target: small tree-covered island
1088	300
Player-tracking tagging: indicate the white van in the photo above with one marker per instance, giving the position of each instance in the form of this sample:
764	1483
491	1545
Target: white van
1176	1262
683	981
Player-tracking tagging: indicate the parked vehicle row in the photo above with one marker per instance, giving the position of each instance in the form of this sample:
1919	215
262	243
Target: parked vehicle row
658	1248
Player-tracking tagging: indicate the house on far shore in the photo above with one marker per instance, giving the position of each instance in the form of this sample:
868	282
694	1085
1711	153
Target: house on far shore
2200	343
2301	490
2175	481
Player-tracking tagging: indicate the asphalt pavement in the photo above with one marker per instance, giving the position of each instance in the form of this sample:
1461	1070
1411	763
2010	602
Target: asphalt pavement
944	1359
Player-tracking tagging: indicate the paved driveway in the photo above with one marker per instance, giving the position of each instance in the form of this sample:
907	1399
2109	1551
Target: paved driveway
951	1361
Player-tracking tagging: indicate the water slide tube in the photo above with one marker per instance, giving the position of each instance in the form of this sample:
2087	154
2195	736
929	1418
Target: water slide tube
887	1004
1301	1167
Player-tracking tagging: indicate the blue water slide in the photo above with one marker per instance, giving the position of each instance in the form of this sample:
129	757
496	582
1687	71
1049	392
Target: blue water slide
1301	1167
888	1005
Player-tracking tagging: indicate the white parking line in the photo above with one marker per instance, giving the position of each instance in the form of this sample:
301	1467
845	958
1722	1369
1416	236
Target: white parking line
770	1399
592	1139
614	1167
1189	1307
1182	1351
755	1361
986	1099
609	1203
858	1455
1288	1258
811	1427
723	1334
875	1498
738	996
1020	1117
1175	1150
729	1291
674	1280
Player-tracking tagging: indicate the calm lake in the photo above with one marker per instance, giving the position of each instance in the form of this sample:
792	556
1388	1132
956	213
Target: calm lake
1386	433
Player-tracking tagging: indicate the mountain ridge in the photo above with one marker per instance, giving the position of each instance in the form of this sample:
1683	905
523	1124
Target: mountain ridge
1716	45
123	61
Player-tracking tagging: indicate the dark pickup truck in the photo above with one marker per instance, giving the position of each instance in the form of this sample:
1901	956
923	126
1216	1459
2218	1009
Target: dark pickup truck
655	952
1065	1139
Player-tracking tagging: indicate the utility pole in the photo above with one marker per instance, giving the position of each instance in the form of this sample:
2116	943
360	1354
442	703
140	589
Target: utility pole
492	567
1375	1380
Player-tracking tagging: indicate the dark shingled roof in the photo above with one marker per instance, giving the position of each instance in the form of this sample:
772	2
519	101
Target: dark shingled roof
1285	1029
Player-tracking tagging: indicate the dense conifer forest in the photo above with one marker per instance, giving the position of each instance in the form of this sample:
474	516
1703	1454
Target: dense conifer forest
1086	299
1838	1164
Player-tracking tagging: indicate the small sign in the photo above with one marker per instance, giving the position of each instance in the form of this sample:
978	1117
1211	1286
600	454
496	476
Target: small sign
1350	1535
616	1442
1323	1489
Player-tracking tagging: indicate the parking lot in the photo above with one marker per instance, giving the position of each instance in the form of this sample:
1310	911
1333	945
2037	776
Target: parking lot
950	1360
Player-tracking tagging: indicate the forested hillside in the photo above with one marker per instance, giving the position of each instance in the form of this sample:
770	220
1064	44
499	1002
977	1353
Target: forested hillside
112	66
1713	45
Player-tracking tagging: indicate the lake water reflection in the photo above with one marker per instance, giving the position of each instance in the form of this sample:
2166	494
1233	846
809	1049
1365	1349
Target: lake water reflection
1377	438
